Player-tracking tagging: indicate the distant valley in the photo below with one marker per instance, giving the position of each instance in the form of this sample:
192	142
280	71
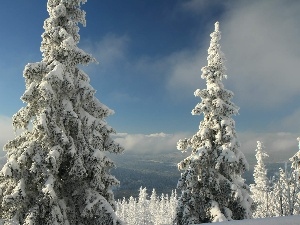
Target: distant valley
158	171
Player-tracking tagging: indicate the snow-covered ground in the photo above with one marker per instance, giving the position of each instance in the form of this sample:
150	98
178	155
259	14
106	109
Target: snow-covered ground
285	220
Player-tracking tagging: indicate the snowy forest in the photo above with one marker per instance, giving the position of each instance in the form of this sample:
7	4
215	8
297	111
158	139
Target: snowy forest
58	170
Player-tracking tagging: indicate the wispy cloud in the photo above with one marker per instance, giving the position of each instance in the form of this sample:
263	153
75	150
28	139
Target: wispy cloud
148	143
280	146
108	50
198	6
185	71
289	123
260	40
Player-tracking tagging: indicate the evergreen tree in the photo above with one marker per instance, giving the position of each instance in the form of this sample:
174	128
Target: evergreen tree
285	199
260	189
163	208
153	207
287	189
296	160
284	192
143	206
132	211
212	188
172	205
57	172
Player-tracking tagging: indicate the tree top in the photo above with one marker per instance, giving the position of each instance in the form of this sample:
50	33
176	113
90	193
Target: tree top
217	25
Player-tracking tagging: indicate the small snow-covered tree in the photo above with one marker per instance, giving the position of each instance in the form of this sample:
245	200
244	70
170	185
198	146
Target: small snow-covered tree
153	207
143	205
57	171
284	197
285	190
163	208
212	187
172	204
260	189
131	215
296	160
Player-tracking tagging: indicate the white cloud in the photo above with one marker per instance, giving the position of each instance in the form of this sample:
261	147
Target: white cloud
280	146
185	72
109	50
260	42
149	143
290	122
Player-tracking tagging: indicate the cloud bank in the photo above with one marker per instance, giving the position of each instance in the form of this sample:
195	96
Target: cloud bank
148	143
280	146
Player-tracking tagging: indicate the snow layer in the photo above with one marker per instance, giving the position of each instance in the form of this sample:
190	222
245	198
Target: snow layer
289	220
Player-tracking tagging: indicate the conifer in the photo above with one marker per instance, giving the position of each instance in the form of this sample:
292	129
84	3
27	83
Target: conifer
57	172
212	187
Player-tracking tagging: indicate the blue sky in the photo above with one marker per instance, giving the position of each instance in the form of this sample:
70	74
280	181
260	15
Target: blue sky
150	55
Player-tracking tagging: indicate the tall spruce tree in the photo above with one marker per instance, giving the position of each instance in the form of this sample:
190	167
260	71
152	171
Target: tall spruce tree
212	188
57	172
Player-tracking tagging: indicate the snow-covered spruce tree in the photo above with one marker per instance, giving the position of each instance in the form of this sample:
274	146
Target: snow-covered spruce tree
153	207
296	160
260	189
285	191
212	188
284	199
57	171
142	207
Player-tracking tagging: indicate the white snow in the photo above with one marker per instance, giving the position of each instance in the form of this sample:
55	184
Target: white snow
56	72
6	171
284	220
98	154
69	43
49	187
59	10
216	213
30	89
